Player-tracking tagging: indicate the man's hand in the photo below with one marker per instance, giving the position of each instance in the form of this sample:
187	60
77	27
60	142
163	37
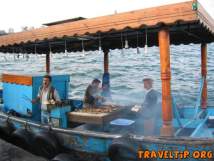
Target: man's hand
36	100
58	103
100	98
136	108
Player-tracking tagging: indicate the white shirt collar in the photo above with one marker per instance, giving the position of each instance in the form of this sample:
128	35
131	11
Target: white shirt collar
149	90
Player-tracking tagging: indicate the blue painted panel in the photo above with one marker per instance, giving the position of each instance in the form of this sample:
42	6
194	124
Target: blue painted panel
187	112
15	95
60	113
211	111
89	144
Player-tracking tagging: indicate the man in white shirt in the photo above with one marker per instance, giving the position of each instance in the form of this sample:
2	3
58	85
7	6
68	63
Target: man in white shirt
47	96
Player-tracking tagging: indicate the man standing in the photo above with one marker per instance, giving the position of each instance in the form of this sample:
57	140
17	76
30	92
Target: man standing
47	96
150	109
151	96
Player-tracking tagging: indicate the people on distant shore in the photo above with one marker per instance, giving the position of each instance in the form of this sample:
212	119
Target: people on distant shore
47	95
93	96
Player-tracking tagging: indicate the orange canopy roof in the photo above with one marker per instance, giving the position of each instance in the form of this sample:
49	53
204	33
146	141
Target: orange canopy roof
186	24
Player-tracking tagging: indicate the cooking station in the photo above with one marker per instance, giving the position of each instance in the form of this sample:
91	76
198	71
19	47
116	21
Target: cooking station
98	116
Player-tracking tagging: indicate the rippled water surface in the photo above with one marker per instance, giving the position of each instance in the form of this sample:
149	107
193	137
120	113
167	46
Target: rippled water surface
127	70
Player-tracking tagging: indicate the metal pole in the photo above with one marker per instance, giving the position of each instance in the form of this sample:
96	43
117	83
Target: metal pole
204	74
164	46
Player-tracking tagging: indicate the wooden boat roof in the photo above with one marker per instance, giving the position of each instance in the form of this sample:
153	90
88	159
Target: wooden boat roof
187	24
64	21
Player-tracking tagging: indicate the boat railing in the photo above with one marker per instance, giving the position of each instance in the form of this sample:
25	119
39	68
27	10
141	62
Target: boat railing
176	112
198	101
197	106
32	125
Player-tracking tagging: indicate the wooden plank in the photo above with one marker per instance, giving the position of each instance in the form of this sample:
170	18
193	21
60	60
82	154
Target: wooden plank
86	118
17	79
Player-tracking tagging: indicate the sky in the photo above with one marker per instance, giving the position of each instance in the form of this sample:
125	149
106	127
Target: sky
19	13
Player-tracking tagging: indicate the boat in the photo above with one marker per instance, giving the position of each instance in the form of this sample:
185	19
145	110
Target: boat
184	133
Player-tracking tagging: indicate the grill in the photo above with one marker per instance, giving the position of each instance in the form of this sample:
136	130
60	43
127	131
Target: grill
98	116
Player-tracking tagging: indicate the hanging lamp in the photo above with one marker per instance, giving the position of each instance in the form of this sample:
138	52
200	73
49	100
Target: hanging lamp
50	50
100	45
126	43
66	52
83	50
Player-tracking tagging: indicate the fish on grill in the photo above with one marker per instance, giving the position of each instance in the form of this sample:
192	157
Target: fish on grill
100	109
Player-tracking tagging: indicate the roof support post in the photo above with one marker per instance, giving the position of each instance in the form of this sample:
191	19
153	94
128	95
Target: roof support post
164	46
106	61
204	74
48	63
106	75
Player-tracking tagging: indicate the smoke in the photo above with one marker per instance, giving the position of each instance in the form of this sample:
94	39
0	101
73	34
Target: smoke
148	120
127	100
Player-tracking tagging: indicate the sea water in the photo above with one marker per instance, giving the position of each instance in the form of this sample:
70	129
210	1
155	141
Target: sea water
127	68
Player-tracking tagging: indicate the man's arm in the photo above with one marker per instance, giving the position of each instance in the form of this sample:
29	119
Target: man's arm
36	100
145	101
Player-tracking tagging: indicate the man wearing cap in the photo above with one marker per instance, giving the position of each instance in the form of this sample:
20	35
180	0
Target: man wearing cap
150	107
151	96
93	96
149	111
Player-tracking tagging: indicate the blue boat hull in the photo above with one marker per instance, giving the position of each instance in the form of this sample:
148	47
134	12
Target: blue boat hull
198	144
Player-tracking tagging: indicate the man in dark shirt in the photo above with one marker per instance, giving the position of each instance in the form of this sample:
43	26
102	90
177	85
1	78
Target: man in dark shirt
93	96
150	108
150	100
